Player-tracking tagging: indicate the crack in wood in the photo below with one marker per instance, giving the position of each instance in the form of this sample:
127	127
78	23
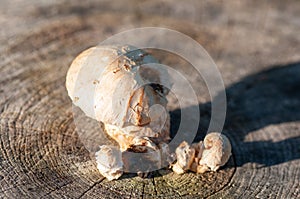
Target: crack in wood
230	178
143	192
91	187
154	185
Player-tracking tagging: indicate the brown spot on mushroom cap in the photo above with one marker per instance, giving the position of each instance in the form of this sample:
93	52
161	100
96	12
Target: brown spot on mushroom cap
96	81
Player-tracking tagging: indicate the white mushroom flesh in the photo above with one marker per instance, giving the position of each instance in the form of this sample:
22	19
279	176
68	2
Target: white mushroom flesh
109	162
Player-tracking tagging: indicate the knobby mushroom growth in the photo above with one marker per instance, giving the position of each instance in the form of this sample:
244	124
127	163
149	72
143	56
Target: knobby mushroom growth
124	88
208	155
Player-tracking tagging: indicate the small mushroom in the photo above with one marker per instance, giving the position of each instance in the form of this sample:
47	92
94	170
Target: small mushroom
217	151
208	155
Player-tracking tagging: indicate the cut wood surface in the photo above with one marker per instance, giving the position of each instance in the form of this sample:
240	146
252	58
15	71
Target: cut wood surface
255	45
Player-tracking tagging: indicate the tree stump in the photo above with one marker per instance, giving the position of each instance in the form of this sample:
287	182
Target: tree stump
255	45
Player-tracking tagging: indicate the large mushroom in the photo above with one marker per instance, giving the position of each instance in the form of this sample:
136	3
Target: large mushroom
122	87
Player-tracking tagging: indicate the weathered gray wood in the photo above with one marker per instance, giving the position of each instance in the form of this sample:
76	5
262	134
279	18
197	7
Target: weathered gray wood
255	45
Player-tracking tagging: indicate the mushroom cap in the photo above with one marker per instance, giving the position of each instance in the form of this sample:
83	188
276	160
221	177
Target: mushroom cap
118	85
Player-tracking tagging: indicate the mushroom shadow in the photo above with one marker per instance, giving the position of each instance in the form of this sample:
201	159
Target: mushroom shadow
257	101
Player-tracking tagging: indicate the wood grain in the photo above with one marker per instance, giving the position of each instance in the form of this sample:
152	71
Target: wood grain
255	45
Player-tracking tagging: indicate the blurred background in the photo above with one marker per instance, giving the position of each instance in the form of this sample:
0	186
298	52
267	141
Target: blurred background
255	45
